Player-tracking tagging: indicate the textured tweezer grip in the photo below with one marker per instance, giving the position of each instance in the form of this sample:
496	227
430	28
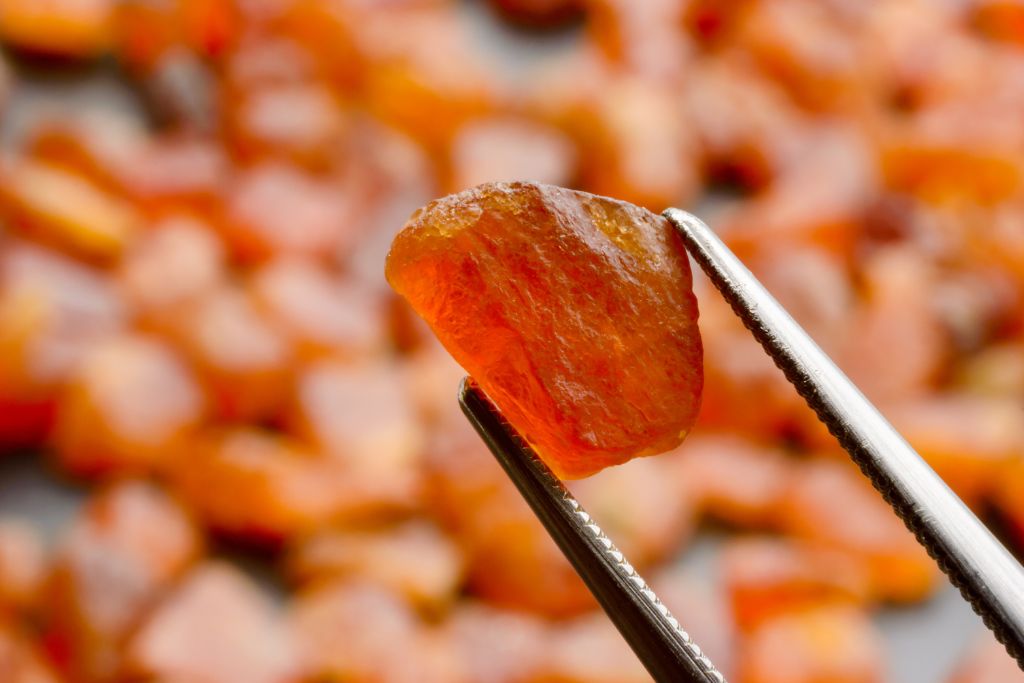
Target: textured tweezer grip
667	651
989	578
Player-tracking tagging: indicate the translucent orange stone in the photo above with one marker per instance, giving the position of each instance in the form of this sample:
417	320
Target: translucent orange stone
178	260
62	28
321	312
427	76
509	148
303	122
23	565
806	50
415	559
636	144
217	626
171	172
351	630
767	578
574	312
969	440
276	209
499	645
644	38
831	505
126	408
110	570
588	649
240	355
255	486
66	210
359	414
710	465
51	311
826	645
20	661
999	19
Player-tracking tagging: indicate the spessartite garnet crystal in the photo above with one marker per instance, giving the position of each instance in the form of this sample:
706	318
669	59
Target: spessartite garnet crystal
574	313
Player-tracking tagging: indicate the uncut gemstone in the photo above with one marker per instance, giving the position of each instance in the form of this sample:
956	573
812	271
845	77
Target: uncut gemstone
415	559
574	313
216	626
127	547
23	566
834	644
20	660
126	408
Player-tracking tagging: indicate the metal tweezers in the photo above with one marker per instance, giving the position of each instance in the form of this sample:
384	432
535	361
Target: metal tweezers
989	578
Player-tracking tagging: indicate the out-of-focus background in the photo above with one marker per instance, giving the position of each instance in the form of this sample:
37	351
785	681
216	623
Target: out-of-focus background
230	455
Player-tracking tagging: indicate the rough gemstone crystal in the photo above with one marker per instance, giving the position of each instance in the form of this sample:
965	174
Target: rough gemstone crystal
574	313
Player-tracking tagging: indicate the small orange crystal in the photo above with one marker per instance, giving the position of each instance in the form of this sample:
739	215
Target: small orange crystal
574	312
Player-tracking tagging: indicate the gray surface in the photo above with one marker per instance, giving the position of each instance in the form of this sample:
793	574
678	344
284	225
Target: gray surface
29	492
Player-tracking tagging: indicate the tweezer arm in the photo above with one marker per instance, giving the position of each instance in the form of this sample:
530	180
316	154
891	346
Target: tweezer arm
667	651
989	578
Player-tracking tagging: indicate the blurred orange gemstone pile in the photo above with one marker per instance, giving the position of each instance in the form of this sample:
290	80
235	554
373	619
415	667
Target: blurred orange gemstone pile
194	324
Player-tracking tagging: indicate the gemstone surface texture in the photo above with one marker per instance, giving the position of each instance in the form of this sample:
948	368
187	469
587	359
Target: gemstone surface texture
574	312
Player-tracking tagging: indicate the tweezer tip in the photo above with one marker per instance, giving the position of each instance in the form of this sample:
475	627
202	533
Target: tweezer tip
467	387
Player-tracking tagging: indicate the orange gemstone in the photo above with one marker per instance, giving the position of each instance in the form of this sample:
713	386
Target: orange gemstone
574	312
805	49
126	408
427	77
61	28
277	209
999	19
642	38
255	486
301	122
350	630
177	261
240	354
509	148
416	560
499	645
830	504
110	570
969	440
636	144
23	565
588	649
361	415
217	626
709	464
826	645
361	419
20	661
320	312
67	210
51	311
766	578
